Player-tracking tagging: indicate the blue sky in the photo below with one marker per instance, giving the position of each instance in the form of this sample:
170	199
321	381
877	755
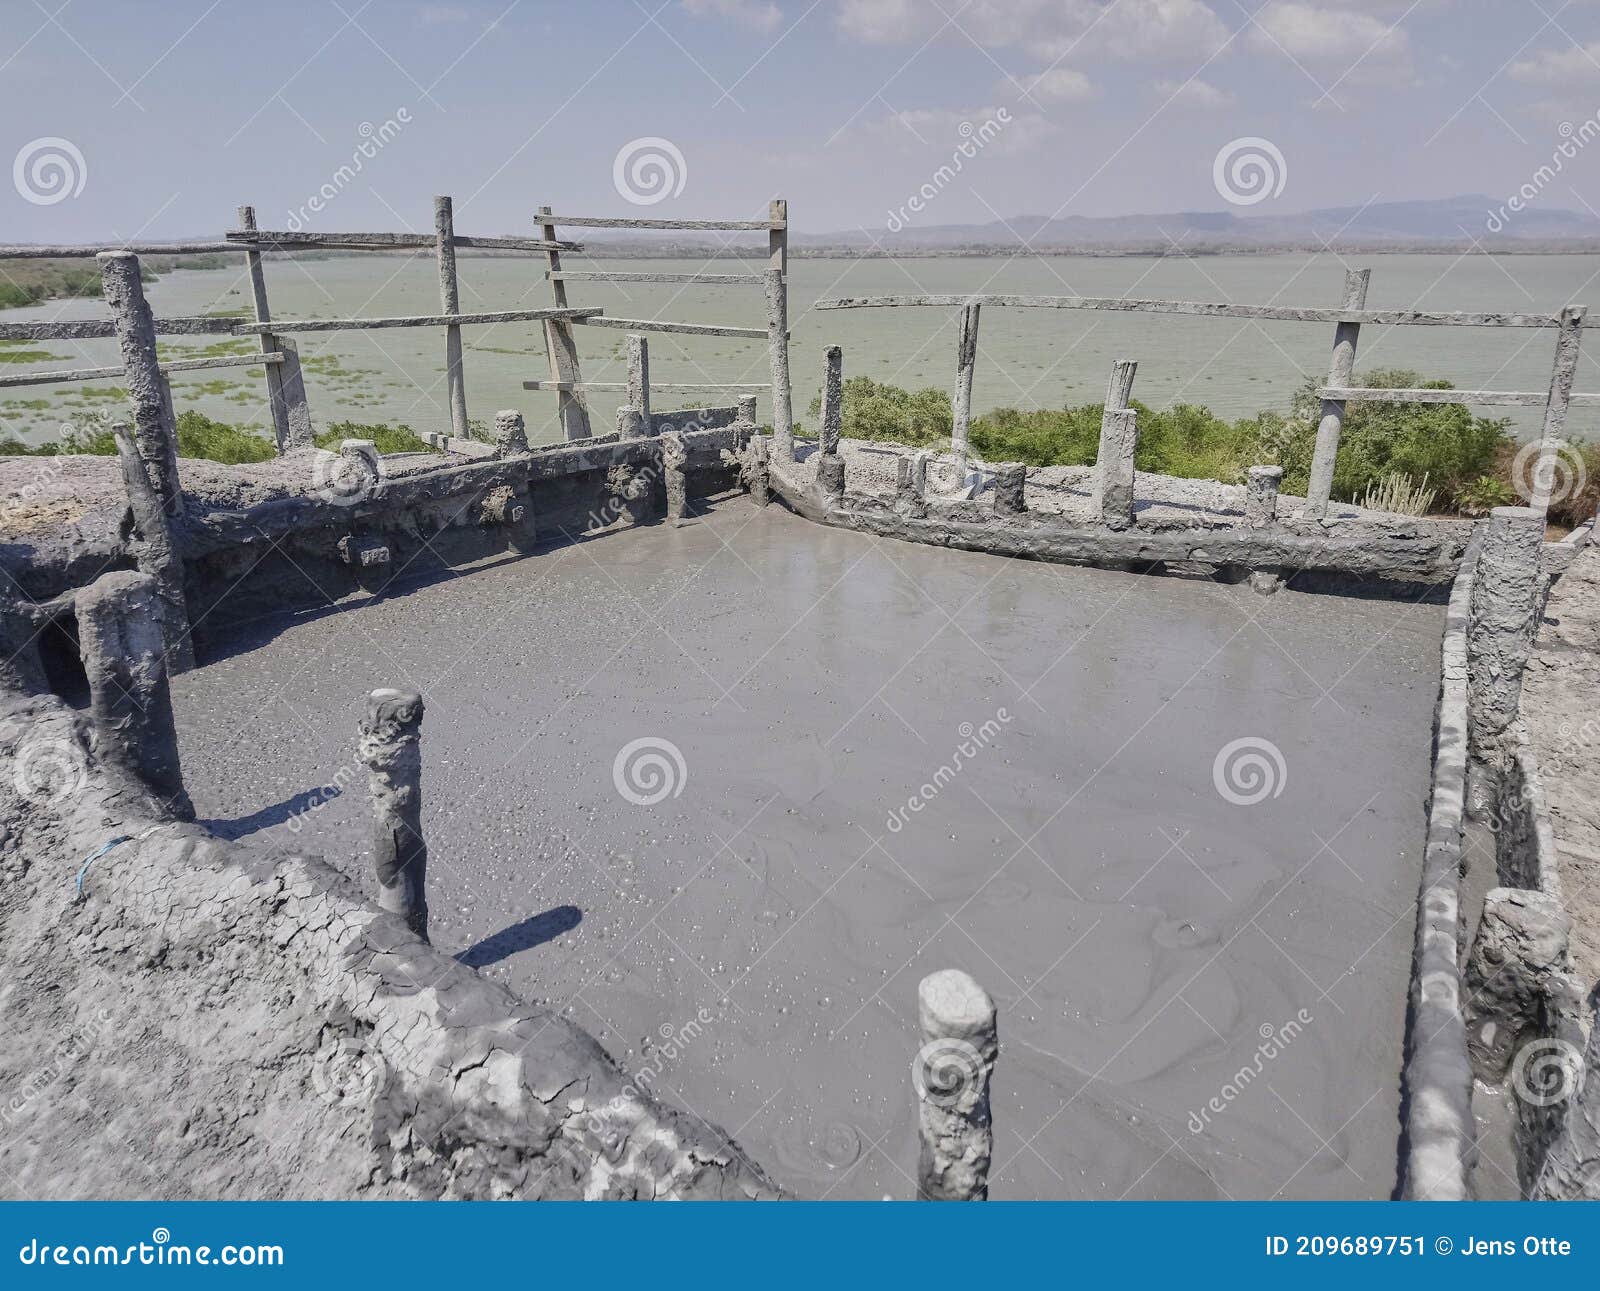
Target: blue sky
167	116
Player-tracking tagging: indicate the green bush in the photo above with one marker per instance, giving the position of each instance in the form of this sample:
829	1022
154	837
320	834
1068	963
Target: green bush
387	439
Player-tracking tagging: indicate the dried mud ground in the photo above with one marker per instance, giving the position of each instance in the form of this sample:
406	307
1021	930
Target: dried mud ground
750	945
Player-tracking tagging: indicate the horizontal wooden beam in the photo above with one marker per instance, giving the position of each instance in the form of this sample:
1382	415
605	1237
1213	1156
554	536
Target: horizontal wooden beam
269	240
100	374
90	329
607	275
138	248
1278	313
415	320
1487	398
654	385
687	329
606	222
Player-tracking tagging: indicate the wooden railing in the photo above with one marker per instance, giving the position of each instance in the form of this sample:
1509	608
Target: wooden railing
280	359
1347	318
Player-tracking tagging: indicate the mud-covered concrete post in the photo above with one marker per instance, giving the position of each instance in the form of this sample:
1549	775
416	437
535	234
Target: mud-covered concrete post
1341	370
830	466
156	552
1513	974
951	1075
125	660
1114	473
1010	484
747	408
444	227
1261	495
674	459
759	478
390	747
961	396
908	499
510	433
630	423
154	427
1506	594
1569	336
639	376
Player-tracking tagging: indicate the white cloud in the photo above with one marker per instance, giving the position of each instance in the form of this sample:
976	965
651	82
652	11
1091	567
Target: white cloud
994	130
1314	33
1193	94
1058	85
1560	67
1047	29
759	15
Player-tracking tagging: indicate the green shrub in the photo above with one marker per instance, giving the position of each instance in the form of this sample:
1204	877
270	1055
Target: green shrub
387	439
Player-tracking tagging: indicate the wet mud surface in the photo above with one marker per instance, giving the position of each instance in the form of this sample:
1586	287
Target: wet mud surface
1202	993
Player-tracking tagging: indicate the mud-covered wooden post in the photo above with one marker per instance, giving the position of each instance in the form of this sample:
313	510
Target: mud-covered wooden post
154	428
562	345
1010	487
747	408
390	747
830	466
674	459
639	377
961	396
1506	595
125	660
951	1076
776	282
444	229
1569	337
156	553
1341	371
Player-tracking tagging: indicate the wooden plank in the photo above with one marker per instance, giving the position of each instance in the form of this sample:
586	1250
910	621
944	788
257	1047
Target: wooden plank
269	343
654	385
1489	398
138	248
92	329
1277	313
561	346
707	279
277	240
101	374
686	329
515	244
450	303
776	291
606	222
416	320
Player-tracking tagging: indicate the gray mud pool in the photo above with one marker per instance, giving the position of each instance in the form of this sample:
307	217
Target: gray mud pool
724	794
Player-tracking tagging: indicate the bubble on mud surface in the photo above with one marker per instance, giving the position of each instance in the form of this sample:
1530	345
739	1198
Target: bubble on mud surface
818	1150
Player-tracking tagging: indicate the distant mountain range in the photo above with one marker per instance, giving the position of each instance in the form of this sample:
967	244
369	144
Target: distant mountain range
1452	222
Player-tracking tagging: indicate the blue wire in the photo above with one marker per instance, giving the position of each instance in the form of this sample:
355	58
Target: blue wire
120	838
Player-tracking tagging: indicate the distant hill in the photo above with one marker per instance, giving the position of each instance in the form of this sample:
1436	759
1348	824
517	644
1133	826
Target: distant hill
1452	222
